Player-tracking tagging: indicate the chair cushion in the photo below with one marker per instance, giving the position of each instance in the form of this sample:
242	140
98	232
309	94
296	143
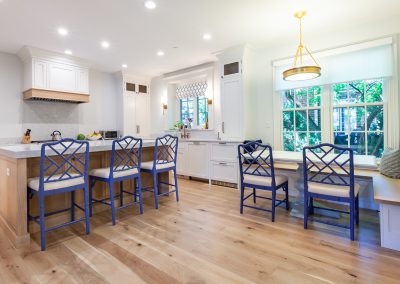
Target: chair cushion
149	165
33	183
105	172
263	180
332	190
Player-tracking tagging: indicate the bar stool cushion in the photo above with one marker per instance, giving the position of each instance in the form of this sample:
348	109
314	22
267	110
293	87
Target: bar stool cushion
332	189
264	180
149	165
33	183
105	172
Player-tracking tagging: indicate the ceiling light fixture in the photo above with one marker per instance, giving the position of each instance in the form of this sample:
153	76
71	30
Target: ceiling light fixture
160	53
206	36
62	31
302	72
105	44
150	5
124	66
68	52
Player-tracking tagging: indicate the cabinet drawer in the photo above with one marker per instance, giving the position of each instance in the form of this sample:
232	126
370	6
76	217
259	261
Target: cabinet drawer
224	152
227	172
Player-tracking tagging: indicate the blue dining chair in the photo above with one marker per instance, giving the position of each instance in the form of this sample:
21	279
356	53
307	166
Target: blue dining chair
63	168
126	158
329	175
164	160
256	165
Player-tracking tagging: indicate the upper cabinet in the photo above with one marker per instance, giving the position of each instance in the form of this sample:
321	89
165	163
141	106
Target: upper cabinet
54	77
234	65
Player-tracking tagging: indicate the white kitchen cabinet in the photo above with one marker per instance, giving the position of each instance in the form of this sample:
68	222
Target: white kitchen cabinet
224	171
198	159
142	114
232	108
62	77
40	74
181	159
82	81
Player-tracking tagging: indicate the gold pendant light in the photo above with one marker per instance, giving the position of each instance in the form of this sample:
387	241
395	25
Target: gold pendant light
301	72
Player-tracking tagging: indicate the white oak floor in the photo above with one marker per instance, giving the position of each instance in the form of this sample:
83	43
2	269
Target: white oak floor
202	239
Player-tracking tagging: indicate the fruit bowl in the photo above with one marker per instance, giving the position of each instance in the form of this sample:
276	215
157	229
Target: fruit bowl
93	137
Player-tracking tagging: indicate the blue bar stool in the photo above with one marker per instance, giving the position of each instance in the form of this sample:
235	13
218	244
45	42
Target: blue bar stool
329	175
257	171
126	157
63	168
165	152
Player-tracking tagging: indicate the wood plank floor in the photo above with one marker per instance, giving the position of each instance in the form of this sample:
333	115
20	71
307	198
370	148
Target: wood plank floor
202	239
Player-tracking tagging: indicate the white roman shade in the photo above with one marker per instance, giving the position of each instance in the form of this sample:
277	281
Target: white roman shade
192	90
368	60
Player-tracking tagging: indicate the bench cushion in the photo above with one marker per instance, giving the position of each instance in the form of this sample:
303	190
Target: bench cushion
149	165
33	183
105	172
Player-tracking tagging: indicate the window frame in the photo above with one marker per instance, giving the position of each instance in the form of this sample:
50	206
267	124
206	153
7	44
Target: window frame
327	110
196	111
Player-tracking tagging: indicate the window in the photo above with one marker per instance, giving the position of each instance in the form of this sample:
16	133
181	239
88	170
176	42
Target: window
301	117
352	112
187	110
358	116
202	113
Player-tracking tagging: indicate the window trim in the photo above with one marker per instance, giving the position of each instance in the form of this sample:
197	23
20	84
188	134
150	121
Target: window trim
195	122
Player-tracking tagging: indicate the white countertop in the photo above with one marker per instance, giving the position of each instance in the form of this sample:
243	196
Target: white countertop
210	140
22	151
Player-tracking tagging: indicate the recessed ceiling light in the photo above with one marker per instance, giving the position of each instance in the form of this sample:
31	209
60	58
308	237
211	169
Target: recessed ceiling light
160	53
68	52
124	66
105	44
206	36
62	31
150	5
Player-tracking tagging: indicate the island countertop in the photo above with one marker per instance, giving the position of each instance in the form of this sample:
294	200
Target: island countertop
24	151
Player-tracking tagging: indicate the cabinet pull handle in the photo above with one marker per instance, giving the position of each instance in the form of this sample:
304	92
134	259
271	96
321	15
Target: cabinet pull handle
138	129
223	127
222	143
196	143
221	163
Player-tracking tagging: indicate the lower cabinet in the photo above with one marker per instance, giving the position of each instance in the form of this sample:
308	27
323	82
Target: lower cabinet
181	158
223	171
198	159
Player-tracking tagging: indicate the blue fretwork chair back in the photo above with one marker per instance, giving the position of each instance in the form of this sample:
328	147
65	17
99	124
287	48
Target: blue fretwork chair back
126	155
256	166
125	162
57	161
63	168
165	150
164	160
329	174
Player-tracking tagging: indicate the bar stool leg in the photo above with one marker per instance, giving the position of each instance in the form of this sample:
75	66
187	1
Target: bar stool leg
42	225
91	182
110	185
241	198
352	209
305	211
176	186
121	193
135	188
72	206
86	204
287	195
254	195
273	204
155	189
139	189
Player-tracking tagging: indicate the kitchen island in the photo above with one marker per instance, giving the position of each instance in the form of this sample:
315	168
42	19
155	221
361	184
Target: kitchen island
20	162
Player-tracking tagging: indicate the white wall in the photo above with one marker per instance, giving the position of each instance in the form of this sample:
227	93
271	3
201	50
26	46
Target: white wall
10	97
159	121
42	118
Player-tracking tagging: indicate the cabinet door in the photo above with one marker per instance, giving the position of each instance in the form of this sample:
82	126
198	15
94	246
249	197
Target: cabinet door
225	152
198	159
62	77
181	158
142	114
40	74
82	80
232	108
231	69
227	172
129	114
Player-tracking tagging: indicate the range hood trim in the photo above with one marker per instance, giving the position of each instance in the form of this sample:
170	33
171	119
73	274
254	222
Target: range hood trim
57	96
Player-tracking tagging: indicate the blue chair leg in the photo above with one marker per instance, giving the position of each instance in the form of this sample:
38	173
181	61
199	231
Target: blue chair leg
176	186
155	189
352	209
72	206
86	205
135	188
311	210
305	211
139	190
121	194
273	204
254	195
357	210
287	195
42	225
241	198
91	185
111	187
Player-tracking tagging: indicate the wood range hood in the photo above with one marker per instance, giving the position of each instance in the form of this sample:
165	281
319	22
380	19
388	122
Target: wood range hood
55	96
51	76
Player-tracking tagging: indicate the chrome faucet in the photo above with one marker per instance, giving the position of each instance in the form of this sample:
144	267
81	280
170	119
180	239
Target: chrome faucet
185	134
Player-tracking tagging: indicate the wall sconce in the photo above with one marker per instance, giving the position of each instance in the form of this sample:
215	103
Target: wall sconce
164	107
209	101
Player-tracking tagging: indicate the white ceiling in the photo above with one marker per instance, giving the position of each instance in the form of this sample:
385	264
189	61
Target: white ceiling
136	33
